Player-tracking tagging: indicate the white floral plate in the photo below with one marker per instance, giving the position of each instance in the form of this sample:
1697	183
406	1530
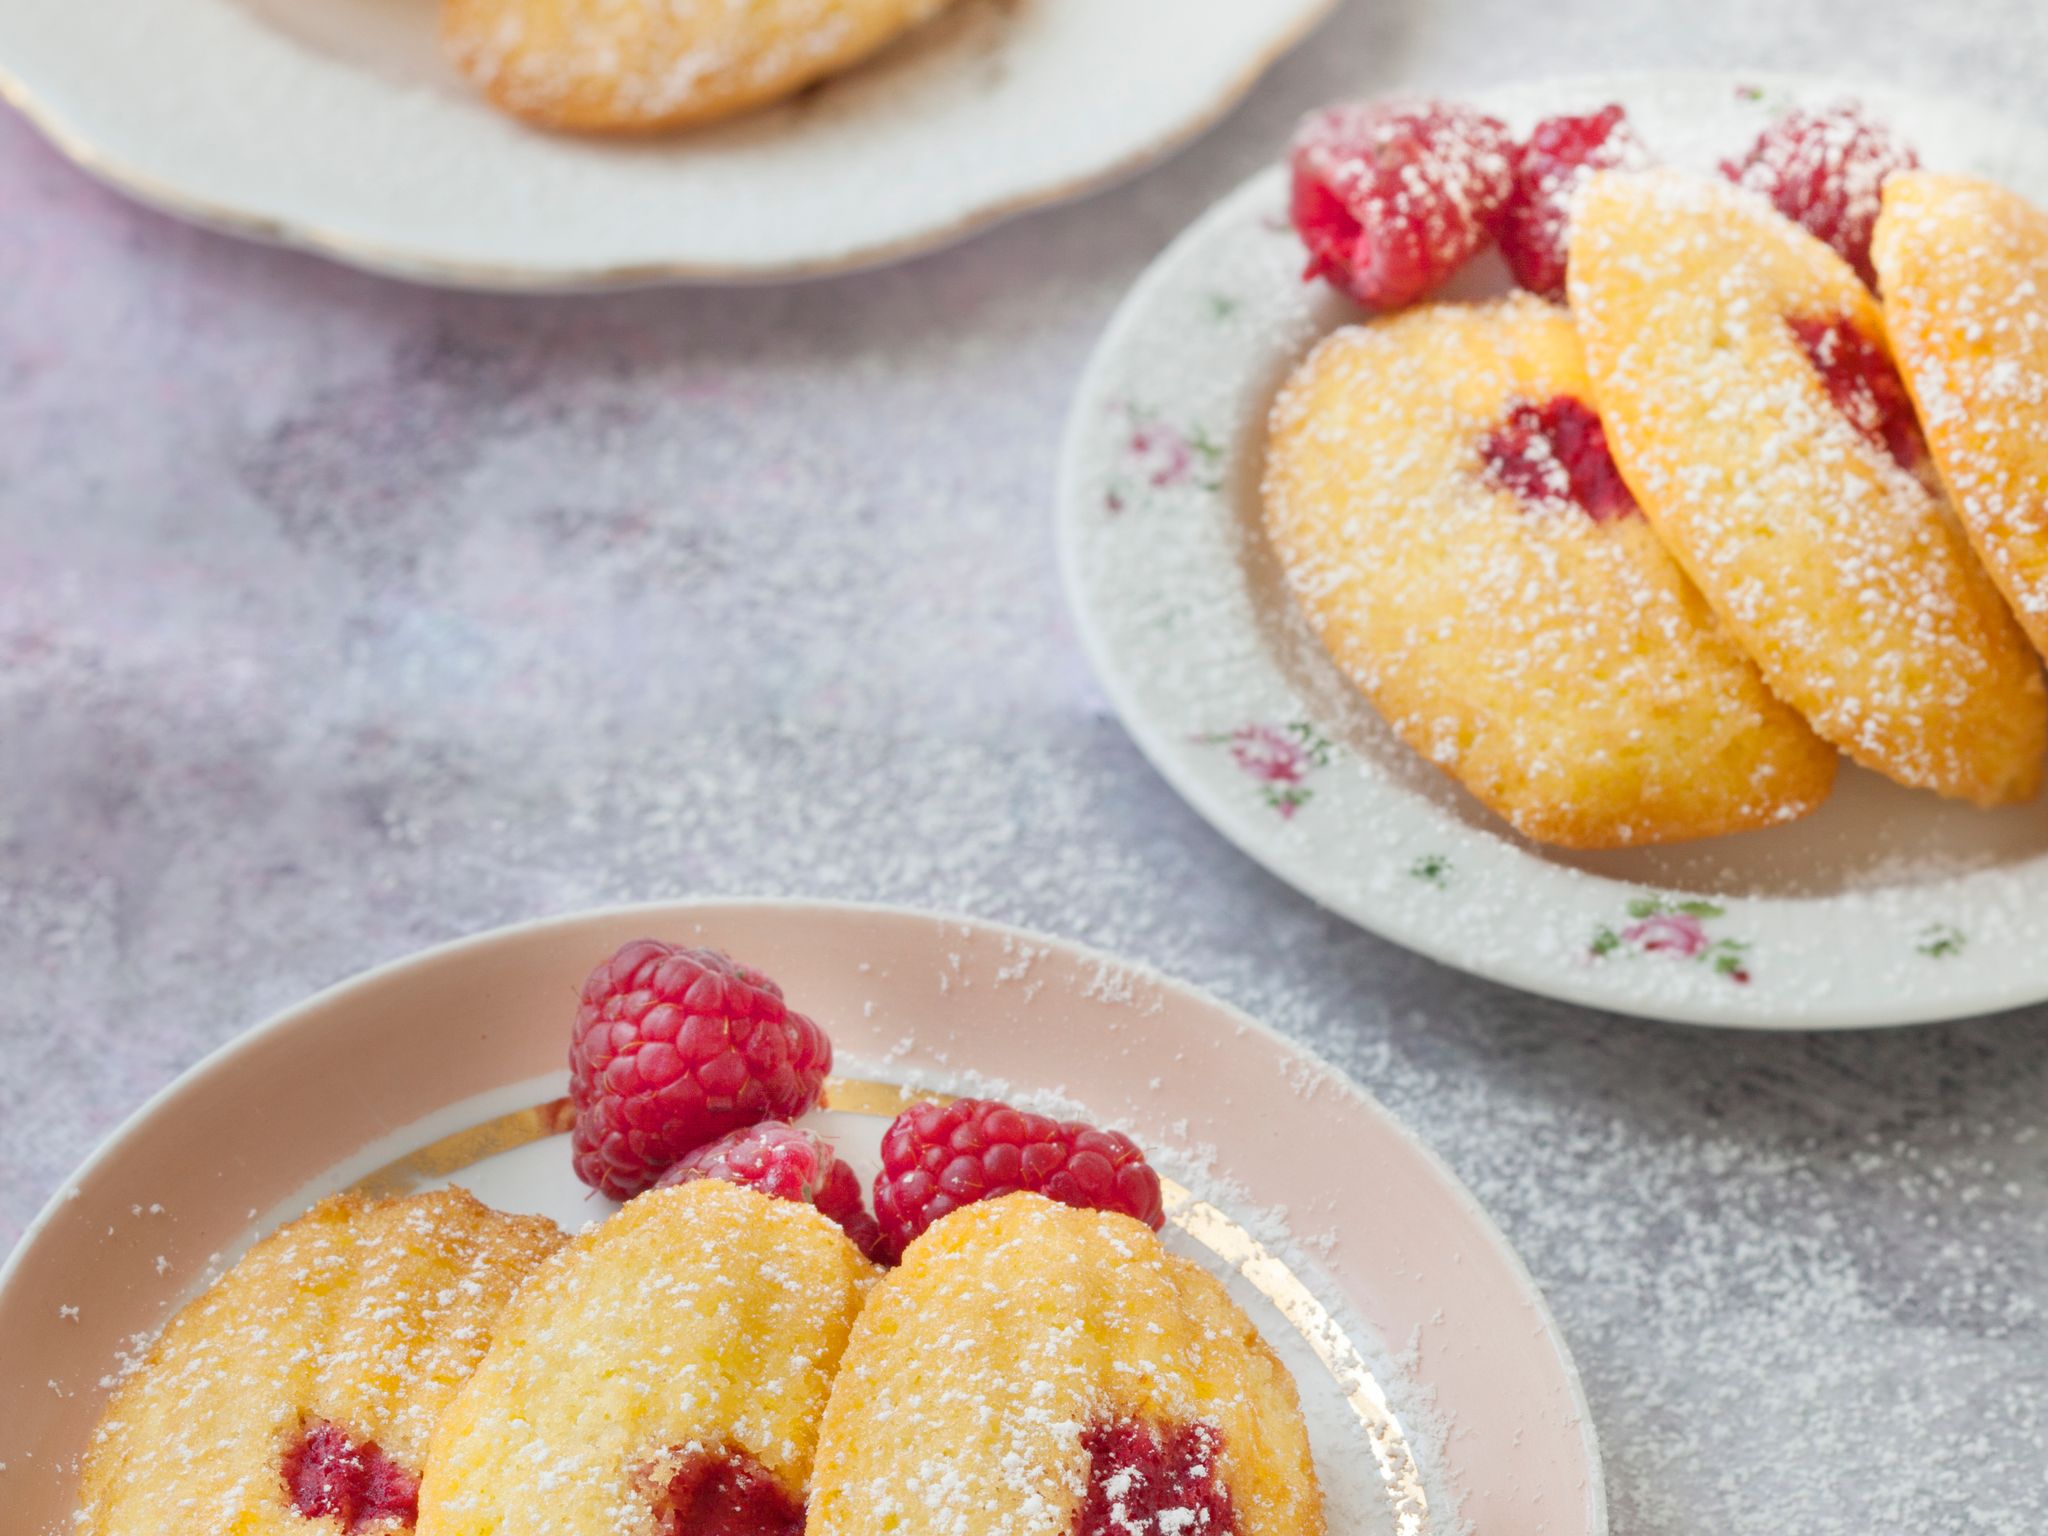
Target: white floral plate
1439	1394
336	125
1886	907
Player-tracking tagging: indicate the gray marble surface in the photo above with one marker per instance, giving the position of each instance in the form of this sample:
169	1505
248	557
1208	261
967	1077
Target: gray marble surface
339	617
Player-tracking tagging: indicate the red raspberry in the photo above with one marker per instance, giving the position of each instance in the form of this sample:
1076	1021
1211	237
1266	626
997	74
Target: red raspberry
1559	154
676	1047
1826	170
790	1163
842	1199
939	1157
1391	198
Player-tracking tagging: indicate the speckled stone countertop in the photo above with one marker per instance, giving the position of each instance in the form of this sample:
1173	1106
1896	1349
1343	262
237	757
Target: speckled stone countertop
339	617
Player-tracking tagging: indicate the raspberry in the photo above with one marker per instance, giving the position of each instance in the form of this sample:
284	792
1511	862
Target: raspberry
728	1494
1559	154
841	1199
1864	386
1557	451
1392	197
676	1047
1145	1483
1825	170
327	1473
939	1157
788	1162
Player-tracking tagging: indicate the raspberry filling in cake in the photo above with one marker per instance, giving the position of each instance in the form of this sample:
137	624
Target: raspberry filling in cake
1557	451
1142	1482
726	1493
327	1473
1864	387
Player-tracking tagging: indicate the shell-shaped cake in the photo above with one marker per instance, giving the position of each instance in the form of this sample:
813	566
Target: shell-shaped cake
1440	496
305	1383
1037	1370
1963	266
1742	371
627	66
664	1372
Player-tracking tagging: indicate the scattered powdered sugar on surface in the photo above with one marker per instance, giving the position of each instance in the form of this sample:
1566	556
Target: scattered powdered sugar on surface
342	618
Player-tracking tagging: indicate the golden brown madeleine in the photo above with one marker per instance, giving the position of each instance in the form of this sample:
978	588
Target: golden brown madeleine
1519	625
1963	267
672	1362
1033	1369
636	66
307	1381
1742	372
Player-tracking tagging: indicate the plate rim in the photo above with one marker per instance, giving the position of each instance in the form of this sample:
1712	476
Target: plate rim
694	908
1964	995
414	264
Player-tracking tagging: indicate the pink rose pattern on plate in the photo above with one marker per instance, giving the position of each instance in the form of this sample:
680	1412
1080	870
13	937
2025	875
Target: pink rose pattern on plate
1279	758
1161	456
1156	453
1677	930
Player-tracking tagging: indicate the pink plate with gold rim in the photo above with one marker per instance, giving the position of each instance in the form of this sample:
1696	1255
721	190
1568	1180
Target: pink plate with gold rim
1439	1393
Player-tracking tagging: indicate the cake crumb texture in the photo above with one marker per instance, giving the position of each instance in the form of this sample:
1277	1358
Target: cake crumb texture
1963	266
1555	662
1012	1328
644	65
1843	572
703	1320
366	1316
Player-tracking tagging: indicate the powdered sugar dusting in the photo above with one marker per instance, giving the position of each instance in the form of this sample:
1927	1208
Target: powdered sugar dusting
1188	615
1968	316
1014	1333
1826	170
1838	568
362	1318
1775	1258
1556	663
625	63
698	1319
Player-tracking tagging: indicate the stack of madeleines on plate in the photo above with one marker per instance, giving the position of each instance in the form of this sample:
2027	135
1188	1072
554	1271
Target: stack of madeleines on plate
1004	1346
1631	554
711	1361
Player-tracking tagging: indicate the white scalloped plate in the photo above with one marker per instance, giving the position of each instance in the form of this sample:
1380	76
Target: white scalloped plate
1886	907
1440	1396
336	125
